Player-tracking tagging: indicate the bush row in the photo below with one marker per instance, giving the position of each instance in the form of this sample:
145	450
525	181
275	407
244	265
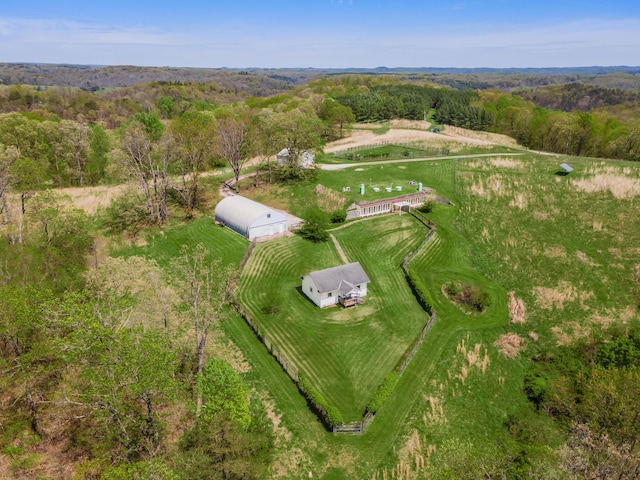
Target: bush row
383	392
329	414
419	290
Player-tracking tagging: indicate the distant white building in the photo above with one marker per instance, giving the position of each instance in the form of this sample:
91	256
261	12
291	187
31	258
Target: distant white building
248	218
306	159
346	284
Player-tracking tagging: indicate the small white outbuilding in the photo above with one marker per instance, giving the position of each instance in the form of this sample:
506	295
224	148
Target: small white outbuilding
248	218
305	159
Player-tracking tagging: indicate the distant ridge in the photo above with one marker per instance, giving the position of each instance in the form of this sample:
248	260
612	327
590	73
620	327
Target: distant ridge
274	80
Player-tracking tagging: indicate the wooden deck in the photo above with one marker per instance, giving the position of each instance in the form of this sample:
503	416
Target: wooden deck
350	302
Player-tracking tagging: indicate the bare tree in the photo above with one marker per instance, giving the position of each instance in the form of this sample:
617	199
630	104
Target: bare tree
194	136
148	161
233	142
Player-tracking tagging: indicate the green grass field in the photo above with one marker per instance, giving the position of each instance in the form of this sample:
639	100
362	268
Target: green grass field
567	247
344	353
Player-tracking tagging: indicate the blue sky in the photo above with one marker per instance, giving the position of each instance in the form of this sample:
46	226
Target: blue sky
322	33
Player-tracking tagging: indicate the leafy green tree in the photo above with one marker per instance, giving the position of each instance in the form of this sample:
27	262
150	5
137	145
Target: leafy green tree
220	449
223	393
126	375
204	287
8	155
147	160
26	176
98	154
337	116
314	227
167	106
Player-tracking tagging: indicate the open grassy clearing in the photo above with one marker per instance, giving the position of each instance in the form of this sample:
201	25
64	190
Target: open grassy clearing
344	353
566	254
164	245
567	247
298	198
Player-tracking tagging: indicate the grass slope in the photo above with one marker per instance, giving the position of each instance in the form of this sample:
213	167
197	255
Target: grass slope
344	353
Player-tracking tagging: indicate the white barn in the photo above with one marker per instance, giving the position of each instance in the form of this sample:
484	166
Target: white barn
346	284
248	218
305	160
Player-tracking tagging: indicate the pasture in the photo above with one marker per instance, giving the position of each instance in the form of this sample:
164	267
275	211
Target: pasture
558	256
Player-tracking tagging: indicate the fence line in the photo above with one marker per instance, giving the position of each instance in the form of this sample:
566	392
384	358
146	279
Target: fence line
356	428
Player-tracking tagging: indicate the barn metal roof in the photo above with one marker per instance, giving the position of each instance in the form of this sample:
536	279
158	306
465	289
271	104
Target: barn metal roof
240	212
337	278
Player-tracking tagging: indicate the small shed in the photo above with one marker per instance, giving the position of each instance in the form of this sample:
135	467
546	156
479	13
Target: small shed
345	284
305	159
248	218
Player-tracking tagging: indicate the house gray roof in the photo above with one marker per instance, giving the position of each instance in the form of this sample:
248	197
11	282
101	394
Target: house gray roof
344	278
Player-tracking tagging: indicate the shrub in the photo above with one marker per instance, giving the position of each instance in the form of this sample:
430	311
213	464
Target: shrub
470	295
383	392
314	227
426	207
329	414
420	291
338	216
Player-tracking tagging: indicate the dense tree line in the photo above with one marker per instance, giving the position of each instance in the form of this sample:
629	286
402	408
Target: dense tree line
596	134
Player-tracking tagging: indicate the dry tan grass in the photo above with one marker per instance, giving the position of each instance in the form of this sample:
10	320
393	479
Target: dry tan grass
570	332
329	200
609	317
520	202
229	352
534	336
621	187
510	345
548	298
616	252
540	215
484	137
555	251
585	259
516	307
92	199
505	162
597	225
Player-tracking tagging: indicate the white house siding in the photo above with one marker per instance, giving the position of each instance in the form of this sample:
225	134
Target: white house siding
310	290
330	298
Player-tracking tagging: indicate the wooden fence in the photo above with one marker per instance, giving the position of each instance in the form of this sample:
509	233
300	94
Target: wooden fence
356	428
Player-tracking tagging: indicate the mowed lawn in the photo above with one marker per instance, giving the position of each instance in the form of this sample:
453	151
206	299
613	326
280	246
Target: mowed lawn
344	353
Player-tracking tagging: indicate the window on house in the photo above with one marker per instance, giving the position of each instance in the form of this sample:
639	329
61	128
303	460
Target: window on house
330	294
268	215
311	289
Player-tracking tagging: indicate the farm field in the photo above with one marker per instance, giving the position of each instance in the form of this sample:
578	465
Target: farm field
565	246
556	255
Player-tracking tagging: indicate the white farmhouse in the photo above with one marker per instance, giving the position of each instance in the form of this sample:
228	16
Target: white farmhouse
346	284
305	160
248	218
